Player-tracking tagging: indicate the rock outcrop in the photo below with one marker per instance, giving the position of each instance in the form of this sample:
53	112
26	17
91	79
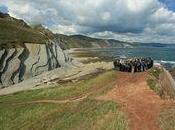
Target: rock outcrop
21	63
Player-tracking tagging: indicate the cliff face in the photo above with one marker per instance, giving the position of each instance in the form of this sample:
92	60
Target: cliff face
21	63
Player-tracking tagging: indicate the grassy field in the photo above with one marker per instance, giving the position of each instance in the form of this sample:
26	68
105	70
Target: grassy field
87	56
69	90
167	118
86	114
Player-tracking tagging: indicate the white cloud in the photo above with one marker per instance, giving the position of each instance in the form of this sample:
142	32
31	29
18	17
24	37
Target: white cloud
140	20
63	29
106	16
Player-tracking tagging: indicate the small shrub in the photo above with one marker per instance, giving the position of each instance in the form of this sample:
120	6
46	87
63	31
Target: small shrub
154	86
155	71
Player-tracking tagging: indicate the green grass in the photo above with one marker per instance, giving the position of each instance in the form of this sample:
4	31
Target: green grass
64	91
90	56
154	86
156	72
154	81
15	32
84	53
87	114
167	119
99	59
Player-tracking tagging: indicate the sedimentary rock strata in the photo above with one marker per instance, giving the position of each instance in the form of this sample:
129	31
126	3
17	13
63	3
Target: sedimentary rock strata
20	63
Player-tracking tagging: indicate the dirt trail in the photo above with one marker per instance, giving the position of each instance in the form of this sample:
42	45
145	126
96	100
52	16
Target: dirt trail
77	98
141	104
53	101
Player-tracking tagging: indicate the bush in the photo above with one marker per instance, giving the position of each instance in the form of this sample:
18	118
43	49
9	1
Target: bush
154	86
156	72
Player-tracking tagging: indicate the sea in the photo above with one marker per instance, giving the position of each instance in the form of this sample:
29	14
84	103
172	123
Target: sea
162	55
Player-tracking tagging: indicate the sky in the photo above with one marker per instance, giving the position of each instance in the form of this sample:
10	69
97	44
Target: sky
126	20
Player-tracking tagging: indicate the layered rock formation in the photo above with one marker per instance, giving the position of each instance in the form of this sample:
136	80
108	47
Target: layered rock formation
21	63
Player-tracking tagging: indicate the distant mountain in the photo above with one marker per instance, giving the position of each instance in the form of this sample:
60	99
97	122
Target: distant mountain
81	41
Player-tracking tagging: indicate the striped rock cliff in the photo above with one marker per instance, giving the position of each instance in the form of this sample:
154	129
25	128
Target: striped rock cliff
23	62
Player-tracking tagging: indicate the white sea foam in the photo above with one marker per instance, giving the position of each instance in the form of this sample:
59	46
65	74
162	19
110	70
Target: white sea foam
167	62
164	62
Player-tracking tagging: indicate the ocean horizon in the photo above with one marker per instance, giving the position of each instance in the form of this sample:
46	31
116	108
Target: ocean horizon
162	55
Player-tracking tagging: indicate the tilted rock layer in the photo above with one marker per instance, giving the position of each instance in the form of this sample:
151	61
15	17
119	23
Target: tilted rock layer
21	63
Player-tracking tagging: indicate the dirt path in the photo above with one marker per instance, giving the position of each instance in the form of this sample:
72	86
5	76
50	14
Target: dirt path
53	101
78	98
141	104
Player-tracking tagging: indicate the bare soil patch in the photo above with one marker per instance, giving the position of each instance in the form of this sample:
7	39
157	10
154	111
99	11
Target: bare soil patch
137	99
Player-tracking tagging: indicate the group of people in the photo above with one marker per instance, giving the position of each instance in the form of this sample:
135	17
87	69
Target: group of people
133	65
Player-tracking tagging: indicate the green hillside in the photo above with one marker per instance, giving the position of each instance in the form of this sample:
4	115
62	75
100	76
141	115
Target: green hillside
14	31
76	41
80	41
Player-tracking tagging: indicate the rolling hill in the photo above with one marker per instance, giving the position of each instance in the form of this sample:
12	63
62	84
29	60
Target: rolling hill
81	41
15	31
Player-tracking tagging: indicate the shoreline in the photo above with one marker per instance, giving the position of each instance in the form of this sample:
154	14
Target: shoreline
169	65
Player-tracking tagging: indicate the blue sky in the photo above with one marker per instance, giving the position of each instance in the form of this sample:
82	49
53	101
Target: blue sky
126	20
169	3
3	9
